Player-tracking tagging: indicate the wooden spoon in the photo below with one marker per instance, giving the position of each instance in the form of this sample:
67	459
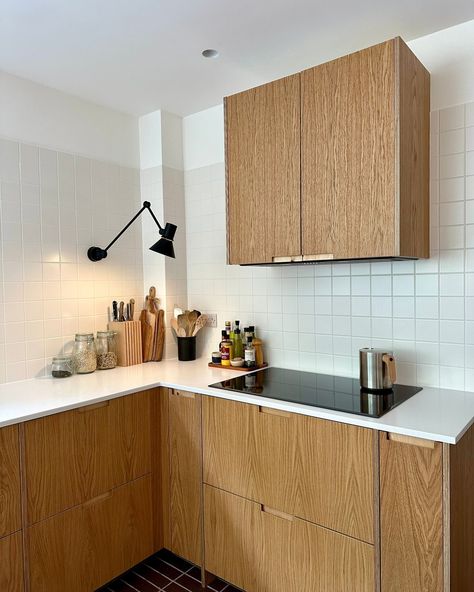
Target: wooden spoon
200	323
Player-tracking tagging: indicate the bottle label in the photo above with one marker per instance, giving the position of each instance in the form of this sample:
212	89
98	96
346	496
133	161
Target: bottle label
250	355
225	358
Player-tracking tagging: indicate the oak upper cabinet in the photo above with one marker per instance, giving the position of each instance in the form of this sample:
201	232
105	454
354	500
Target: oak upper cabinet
365	155
331	163
263	172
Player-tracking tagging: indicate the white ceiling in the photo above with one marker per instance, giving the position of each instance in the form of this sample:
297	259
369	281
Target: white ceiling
139	56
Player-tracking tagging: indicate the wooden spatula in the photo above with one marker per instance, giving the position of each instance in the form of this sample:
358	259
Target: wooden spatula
160	333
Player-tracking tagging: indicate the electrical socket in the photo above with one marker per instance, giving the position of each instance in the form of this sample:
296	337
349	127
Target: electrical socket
211	320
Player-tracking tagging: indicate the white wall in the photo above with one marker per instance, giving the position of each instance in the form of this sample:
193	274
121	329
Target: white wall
449	56
203	138
39	115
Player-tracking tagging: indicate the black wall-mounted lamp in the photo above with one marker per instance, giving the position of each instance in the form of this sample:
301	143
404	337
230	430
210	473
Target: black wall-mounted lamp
164	246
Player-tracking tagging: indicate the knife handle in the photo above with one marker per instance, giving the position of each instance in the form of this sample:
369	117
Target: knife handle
115	310
121	318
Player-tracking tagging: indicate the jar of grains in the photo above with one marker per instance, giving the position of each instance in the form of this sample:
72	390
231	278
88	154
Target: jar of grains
106	350
84	354
62	367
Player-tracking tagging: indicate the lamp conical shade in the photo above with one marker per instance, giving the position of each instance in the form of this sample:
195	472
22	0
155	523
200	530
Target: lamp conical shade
164	247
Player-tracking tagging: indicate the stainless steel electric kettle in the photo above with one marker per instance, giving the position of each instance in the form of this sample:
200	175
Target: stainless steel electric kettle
377	369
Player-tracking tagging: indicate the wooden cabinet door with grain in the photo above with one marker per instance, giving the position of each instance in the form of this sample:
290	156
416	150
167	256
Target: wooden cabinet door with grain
263	172
411	514
10	513
74	456
85	547
251	451
348	156
11	563
185	462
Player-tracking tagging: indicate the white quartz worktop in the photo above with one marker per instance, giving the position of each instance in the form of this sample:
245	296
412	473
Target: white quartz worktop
436	414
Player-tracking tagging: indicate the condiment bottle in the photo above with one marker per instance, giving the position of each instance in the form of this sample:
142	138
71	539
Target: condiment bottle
249	354
227	328
238	344
257	343
227	353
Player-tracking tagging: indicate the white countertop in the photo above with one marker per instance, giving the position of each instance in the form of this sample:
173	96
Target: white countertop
435	414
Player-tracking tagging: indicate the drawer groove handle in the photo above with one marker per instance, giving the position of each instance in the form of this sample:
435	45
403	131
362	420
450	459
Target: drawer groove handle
270	411
410	440
98	499
277	513
319	257
93	407
184	394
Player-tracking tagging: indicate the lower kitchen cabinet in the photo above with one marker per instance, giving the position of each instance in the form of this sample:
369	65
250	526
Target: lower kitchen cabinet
185	475
321	471
11	563
83	548
261	549
411	517
10	513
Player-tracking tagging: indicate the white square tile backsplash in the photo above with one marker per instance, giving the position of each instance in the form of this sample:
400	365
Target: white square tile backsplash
316	317
53	206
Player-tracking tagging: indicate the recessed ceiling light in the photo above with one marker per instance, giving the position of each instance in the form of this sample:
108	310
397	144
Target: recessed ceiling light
210	53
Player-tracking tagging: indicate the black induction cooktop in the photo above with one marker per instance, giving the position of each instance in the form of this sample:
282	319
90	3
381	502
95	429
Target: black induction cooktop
318	390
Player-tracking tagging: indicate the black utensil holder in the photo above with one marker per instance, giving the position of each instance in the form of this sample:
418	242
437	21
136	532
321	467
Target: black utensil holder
186	348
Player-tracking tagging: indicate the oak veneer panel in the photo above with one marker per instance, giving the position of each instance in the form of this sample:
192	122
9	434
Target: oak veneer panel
250	453
336	476
329	561
83	548
348	155
161	470
10	509
185	445
11	563
247	546
414	153
263	172
411	518
75	456
262	551
461	489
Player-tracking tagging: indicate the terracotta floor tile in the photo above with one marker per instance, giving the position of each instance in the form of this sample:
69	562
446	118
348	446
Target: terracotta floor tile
164	572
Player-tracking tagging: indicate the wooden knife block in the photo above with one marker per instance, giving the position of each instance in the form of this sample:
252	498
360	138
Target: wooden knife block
129	342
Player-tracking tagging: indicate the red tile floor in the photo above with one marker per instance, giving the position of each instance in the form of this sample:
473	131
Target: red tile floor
164	572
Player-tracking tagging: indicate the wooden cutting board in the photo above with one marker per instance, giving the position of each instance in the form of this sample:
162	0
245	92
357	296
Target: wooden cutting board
160	335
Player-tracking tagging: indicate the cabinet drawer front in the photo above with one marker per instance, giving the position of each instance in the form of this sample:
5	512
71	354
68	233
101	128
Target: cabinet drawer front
250	453
329	561
81	549
10	512
248	545
11	563
77	455
336	476
259	549
319	470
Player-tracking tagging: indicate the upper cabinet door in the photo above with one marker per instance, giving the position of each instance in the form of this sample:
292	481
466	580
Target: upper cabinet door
263	172
364	155
348	156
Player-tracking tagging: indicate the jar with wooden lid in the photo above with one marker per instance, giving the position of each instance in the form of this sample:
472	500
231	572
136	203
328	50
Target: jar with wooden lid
106	350
84	353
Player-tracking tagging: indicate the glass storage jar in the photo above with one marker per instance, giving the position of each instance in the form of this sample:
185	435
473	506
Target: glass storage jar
106	350
62	367
84	353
